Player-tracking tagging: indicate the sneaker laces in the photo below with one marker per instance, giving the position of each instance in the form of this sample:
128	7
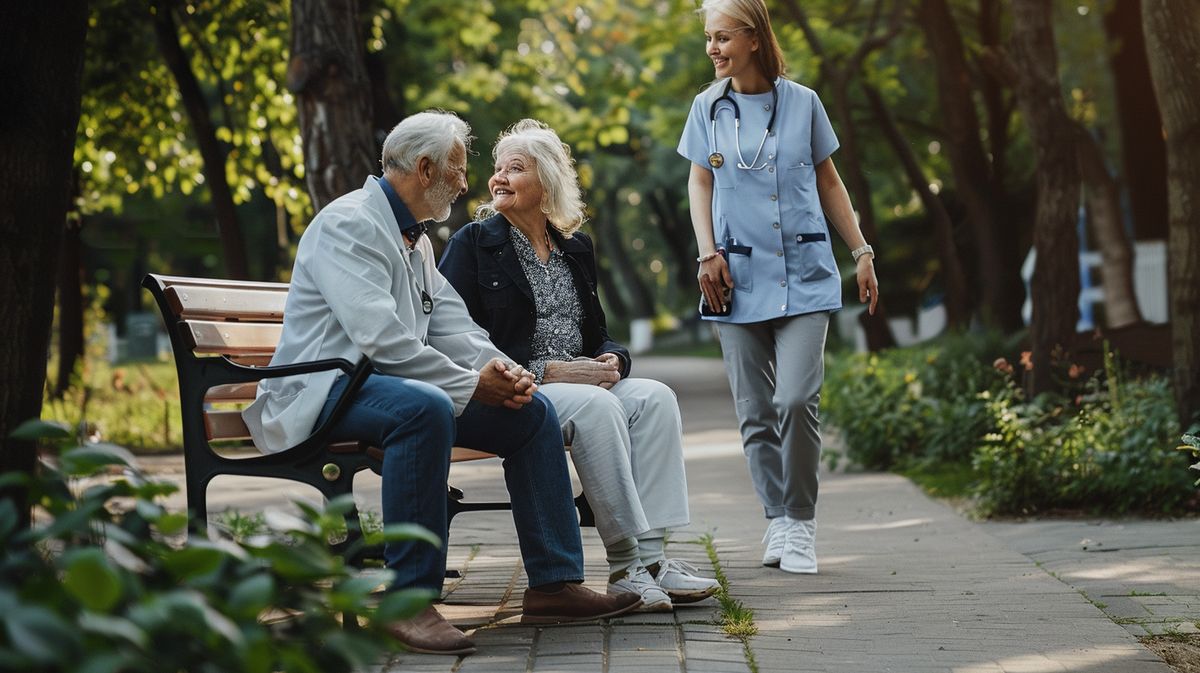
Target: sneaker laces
678	565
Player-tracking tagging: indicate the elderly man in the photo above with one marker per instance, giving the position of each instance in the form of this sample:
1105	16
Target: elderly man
364	282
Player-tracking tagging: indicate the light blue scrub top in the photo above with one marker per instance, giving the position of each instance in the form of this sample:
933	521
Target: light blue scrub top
769	221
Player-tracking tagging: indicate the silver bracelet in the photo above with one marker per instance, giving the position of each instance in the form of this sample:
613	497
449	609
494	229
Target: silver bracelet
865	250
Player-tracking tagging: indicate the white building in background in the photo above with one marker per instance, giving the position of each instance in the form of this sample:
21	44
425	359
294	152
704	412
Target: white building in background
1149	284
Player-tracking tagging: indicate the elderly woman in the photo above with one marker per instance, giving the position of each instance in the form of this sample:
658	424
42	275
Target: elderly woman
529	279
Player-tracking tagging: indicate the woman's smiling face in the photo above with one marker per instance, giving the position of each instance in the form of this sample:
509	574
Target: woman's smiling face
730	45
515	185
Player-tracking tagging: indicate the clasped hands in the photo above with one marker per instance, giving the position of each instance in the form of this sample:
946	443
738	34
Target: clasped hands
503	383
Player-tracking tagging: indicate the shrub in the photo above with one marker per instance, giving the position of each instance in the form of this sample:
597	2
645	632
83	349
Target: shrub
98	585
1108	450
913	404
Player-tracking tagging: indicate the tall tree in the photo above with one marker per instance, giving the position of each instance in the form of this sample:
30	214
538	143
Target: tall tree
1055	284
957	302
41	61
838	74
1104	214
328	74
1173	46
1143	154
229	228
996	251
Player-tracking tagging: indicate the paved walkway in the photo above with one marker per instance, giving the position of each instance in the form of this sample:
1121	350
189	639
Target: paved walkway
906	583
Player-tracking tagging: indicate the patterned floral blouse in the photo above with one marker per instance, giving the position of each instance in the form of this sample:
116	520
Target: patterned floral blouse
557	335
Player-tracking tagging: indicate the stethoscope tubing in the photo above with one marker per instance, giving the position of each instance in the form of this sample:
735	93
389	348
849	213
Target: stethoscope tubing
716	159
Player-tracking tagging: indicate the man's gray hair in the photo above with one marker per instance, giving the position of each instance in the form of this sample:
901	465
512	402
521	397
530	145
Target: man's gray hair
432	134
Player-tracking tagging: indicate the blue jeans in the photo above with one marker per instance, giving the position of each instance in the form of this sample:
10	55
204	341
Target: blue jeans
413	422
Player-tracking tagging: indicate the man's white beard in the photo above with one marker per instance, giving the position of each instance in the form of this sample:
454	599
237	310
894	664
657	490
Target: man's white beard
439	198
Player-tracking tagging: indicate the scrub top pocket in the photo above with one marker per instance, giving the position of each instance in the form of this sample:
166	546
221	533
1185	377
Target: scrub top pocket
739	266
816	255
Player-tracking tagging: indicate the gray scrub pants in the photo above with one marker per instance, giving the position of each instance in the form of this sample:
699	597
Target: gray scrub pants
775	369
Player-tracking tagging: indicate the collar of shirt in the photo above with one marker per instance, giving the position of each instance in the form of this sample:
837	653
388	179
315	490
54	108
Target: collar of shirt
525	248
409	226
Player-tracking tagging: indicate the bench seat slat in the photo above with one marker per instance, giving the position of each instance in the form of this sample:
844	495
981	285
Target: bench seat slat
232	392
222	303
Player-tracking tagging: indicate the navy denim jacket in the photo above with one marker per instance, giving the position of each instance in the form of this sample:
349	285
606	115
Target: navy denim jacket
481	264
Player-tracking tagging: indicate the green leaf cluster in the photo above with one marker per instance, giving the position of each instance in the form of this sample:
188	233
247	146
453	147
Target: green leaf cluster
954	409
103	583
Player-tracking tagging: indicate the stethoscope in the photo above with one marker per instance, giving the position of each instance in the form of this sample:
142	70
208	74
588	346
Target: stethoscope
716	159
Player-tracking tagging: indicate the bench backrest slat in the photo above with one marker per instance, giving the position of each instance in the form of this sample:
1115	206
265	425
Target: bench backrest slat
221	303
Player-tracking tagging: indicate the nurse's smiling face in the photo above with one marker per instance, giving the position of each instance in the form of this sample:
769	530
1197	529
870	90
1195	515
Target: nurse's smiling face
731	46
515	186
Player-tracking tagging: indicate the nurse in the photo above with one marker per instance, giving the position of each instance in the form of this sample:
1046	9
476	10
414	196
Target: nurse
761	186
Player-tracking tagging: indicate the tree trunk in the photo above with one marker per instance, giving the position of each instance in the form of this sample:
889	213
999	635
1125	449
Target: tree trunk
1173	45
958	310
41	64
328	74
70	305
1143	153
1000	289
878	332
233	245
997	109
1104	208
1055	285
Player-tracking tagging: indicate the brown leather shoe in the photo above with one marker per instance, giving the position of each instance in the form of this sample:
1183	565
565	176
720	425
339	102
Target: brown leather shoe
430	633
575	603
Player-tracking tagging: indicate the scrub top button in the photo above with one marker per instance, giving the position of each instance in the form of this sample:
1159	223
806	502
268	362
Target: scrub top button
767	107
783	308
774	197
771	169
783	283
779	253
775	224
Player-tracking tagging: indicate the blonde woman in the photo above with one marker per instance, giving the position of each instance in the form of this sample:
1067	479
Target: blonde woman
761	186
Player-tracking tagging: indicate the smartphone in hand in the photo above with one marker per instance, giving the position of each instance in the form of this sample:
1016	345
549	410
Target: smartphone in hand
726	299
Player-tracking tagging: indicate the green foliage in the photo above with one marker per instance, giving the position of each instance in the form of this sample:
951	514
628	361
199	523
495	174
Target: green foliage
101	583
1192	443
951	416
922	403
1108	450
134	405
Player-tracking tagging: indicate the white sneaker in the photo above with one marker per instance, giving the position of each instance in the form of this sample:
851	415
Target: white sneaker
680	581
800	548
638	581
774	537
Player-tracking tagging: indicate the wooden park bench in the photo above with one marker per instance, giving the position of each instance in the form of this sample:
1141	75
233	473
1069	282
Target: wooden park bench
223	334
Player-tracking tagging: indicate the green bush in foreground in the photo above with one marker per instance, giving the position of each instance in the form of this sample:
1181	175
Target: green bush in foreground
97	585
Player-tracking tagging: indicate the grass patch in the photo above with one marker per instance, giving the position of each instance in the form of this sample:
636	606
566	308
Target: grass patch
737	620
941	479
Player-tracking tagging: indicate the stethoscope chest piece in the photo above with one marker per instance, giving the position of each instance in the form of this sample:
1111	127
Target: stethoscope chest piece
716	160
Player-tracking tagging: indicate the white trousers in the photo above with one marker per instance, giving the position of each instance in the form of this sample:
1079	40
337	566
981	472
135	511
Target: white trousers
627	446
